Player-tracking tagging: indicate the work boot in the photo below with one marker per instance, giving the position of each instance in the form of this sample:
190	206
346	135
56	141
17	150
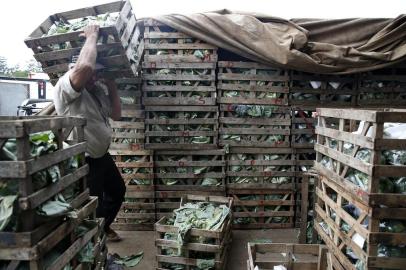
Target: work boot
112	236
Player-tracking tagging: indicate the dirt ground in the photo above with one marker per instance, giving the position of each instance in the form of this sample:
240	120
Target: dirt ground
237	259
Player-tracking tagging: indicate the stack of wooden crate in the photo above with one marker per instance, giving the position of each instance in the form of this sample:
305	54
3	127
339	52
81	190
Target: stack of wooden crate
134	162
201	245
31	239
360	201
116	47
255	127
179	94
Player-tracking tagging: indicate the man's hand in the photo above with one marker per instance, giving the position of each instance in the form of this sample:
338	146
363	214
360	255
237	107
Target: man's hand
90	30
84	68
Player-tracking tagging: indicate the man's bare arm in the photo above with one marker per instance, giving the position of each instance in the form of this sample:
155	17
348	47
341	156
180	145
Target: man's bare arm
84	67
114	100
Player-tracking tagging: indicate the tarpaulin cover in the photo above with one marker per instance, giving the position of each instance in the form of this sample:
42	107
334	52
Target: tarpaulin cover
312	45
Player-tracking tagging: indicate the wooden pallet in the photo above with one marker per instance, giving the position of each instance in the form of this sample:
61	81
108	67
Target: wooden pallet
129	132
204	244
265	208
30	227
179	83
291	256
163	44
303	128
315	90
167	201
343	222
383	87
137	170
238	129
253	168
190	170
181	127
252	83
115	46
370	137
34	255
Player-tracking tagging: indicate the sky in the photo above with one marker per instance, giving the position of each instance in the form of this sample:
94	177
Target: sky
18	18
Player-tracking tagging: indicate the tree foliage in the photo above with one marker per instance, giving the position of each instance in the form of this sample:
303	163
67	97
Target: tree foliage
17	71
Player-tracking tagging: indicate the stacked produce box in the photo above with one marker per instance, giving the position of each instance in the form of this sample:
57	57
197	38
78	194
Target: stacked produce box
48	218
255	127
186	242
179	94
134	162
361	199
307	92
383	87
58	39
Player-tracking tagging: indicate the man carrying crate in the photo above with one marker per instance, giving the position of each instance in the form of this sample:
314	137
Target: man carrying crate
79	93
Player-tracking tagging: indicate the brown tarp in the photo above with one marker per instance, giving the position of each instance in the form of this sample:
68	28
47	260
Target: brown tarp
312	45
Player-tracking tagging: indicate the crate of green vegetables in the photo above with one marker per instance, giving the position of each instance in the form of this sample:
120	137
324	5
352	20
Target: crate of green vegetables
59	38
315	90
179	83
383	87
359	236
42	175
262	208
255	167
303	128
367	157
254	125
181	127
198	235
163	44
167	201
186	170
129	131
78	245
252	83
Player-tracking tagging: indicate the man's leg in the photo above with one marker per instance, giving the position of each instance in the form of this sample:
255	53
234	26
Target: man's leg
95	182
114	190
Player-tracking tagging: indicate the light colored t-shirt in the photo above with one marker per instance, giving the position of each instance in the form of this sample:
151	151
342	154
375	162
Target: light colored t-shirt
94	106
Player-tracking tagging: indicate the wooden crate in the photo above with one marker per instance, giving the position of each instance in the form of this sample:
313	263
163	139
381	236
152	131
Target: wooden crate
239	129
115	46
181	127
315	90
163	44
59	248
383	87
252	83
204	244
185	170
129	91
30	226
303	128
263	208
167	201
253	168
129	132
336	160
345	222
265	256
137	169
167	83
